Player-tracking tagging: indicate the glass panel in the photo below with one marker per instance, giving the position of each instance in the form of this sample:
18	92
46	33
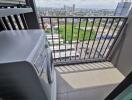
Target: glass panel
126	94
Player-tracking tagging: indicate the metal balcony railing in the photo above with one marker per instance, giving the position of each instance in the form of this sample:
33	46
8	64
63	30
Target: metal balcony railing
13	17
82	39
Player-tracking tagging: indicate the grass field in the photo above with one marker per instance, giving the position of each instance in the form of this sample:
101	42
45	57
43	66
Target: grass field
76	34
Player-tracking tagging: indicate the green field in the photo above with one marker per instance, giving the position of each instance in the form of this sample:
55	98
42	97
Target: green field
76	34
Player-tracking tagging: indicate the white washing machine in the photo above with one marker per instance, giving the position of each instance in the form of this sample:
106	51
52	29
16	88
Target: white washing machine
26	66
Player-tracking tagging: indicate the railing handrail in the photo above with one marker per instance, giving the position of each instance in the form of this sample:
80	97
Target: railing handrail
84	16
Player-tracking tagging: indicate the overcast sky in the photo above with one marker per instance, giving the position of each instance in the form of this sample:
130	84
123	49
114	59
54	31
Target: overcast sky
109	4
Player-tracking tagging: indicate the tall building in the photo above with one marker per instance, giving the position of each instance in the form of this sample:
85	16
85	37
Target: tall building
73	7
123	8
64	6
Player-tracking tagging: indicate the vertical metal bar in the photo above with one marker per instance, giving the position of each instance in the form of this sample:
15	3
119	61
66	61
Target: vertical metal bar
11	22
59	37
84	37
1	26
111	36
72	36
100	38
116	38
65	36
106	37
89	37
42	23
78	37
17	22
23	21
95	36
52	36
6	23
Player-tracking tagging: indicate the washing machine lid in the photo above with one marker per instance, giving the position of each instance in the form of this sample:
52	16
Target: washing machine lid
16	45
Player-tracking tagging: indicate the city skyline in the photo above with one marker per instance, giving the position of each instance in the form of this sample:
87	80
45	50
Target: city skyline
96	4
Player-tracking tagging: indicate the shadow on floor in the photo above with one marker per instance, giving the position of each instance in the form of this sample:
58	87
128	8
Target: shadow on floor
83	67
87	85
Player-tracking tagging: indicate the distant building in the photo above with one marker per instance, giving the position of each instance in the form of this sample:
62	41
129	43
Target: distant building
123	8
64	6
73	8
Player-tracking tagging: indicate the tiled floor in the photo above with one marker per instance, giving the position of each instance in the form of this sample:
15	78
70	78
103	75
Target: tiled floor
87	81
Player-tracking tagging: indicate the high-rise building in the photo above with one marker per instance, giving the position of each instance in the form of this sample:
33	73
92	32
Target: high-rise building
123	8
73	7
64	6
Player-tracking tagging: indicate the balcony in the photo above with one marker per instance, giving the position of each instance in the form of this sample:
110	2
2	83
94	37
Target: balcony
91	55
82	48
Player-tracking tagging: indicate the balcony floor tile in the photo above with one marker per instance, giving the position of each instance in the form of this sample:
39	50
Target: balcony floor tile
87	81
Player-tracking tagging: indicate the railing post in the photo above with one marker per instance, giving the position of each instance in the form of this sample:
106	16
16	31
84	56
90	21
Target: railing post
32	18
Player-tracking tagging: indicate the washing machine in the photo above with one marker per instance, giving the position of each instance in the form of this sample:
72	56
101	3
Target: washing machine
26	66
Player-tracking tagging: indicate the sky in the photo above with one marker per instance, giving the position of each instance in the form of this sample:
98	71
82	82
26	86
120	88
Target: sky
98	4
